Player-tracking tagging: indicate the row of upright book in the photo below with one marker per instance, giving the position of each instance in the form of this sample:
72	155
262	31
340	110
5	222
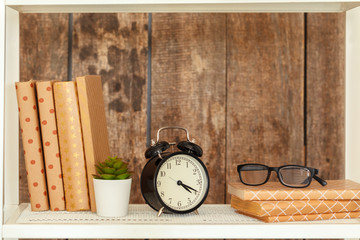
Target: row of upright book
64	132
273	202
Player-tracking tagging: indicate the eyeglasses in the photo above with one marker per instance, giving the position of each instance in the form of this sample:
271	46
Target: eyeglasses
294	176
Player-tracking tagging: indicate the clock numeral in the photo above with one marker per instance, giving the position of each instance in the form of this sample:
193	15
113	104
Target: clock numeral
187	164
162	194
170	200
162	173
168	165
198	182
158	183
179	203
194	171
189	201
178	162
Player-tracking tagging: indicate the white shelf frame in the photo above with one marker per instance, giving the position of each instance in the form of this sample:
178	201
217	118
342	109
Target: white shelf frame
9	141
174	229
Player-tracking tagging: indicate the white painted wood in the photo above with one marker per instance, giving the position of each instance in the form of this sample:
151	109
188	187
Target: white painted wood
115	231
182	5
170	228
9	141
2	103
352	93
11	132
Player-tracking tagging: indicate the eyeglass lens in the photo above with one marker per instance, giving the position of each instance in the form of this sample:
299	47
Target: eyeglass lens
295	176
254	174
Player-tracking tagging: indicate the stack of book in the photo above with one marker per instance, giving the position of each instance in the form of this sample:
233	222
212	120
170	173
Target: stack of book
64	133
273	202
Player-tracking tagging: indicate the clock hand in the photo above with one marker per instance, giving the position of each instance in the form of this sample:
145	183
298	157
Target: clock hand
186	188
172	179
181	184
189	187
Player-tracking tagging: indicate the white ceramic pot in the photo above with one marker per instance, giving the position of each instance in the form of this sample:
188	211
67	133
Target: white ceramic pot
112	197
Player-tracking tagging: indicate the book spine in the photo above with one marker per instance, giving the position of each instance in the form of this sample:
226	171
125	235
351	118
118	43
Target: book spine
71	146
280	208
335	190
312	217
94	127
29	127
50	145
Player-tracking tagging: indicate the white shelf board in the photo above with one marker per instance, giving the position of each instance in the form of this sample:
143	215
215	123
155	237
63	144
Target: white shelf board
213	221
182	5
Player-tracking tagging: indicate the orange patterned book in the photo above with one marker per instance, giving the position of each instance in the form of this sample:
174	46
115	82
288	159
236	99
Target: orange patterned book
306	217
273	191
297	207
94	127
71	146
30	131
50	143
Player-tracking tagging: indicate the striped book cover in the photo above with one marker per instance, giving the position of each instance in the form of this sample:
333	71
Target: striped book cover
94	127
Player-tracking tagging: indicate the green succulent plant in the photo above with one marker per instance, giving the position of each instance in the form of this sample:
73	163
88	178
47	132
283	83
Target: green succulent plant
113	168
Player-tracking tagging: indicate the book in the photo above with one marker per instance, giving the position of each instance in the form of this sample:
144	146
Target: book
297	207
71	146
94	127
30	131
50	144
305	217
334	190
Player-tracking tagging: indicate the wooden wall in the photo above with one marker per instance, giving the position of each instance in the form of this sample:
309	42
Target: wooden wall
266	88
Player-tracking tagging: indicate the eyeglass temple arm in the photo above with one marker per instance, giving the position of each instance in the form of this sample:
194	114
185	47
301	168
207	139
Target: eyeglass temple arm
320	180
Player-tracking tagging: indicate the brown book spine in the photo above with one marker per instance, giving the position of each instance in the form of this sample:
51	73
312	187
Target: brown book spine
50	145
289	208
29	127
71	146
94	127
306	217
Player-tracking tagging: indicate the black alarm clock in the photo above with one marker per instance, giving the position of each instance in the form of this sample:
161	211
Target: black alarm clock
174	181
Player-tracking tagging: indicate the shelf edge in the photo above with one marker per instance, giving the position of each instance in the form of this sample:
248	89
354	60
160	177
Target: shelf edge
178	7
181	231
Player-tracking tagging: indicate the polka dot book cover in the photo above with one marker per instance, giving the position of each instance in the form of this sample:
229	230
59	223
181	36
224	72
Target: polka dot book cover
29	128
50	144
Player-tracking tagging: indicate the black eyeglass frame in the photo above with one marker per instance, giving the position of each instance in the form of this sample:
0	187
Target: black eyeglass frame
313	172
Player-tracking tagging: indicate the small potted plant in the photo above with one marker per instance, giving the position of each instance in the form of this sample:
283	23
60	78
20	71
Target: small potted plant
112	186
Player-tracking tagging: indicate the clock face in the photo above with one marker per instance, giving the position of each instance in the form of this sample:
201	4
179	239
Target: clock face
182	183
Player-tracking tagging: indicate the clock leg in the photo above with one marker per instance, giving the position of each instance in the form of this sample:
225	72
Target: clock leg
160	211
196	212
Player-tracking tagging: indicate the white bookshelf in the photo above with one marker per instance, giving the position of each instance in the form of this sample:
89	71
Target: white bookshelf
214	221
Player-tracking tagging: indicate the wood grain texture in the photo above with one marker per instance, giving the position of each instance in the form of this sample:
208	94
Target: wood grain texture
326	94
115	46
265	79
43	55
236	81
188	86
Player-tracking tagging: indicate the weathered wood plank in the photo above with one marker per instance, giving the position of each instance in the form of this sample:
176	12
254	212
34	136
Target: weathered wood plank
43	55
115	46
265	79
325	94
188	85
